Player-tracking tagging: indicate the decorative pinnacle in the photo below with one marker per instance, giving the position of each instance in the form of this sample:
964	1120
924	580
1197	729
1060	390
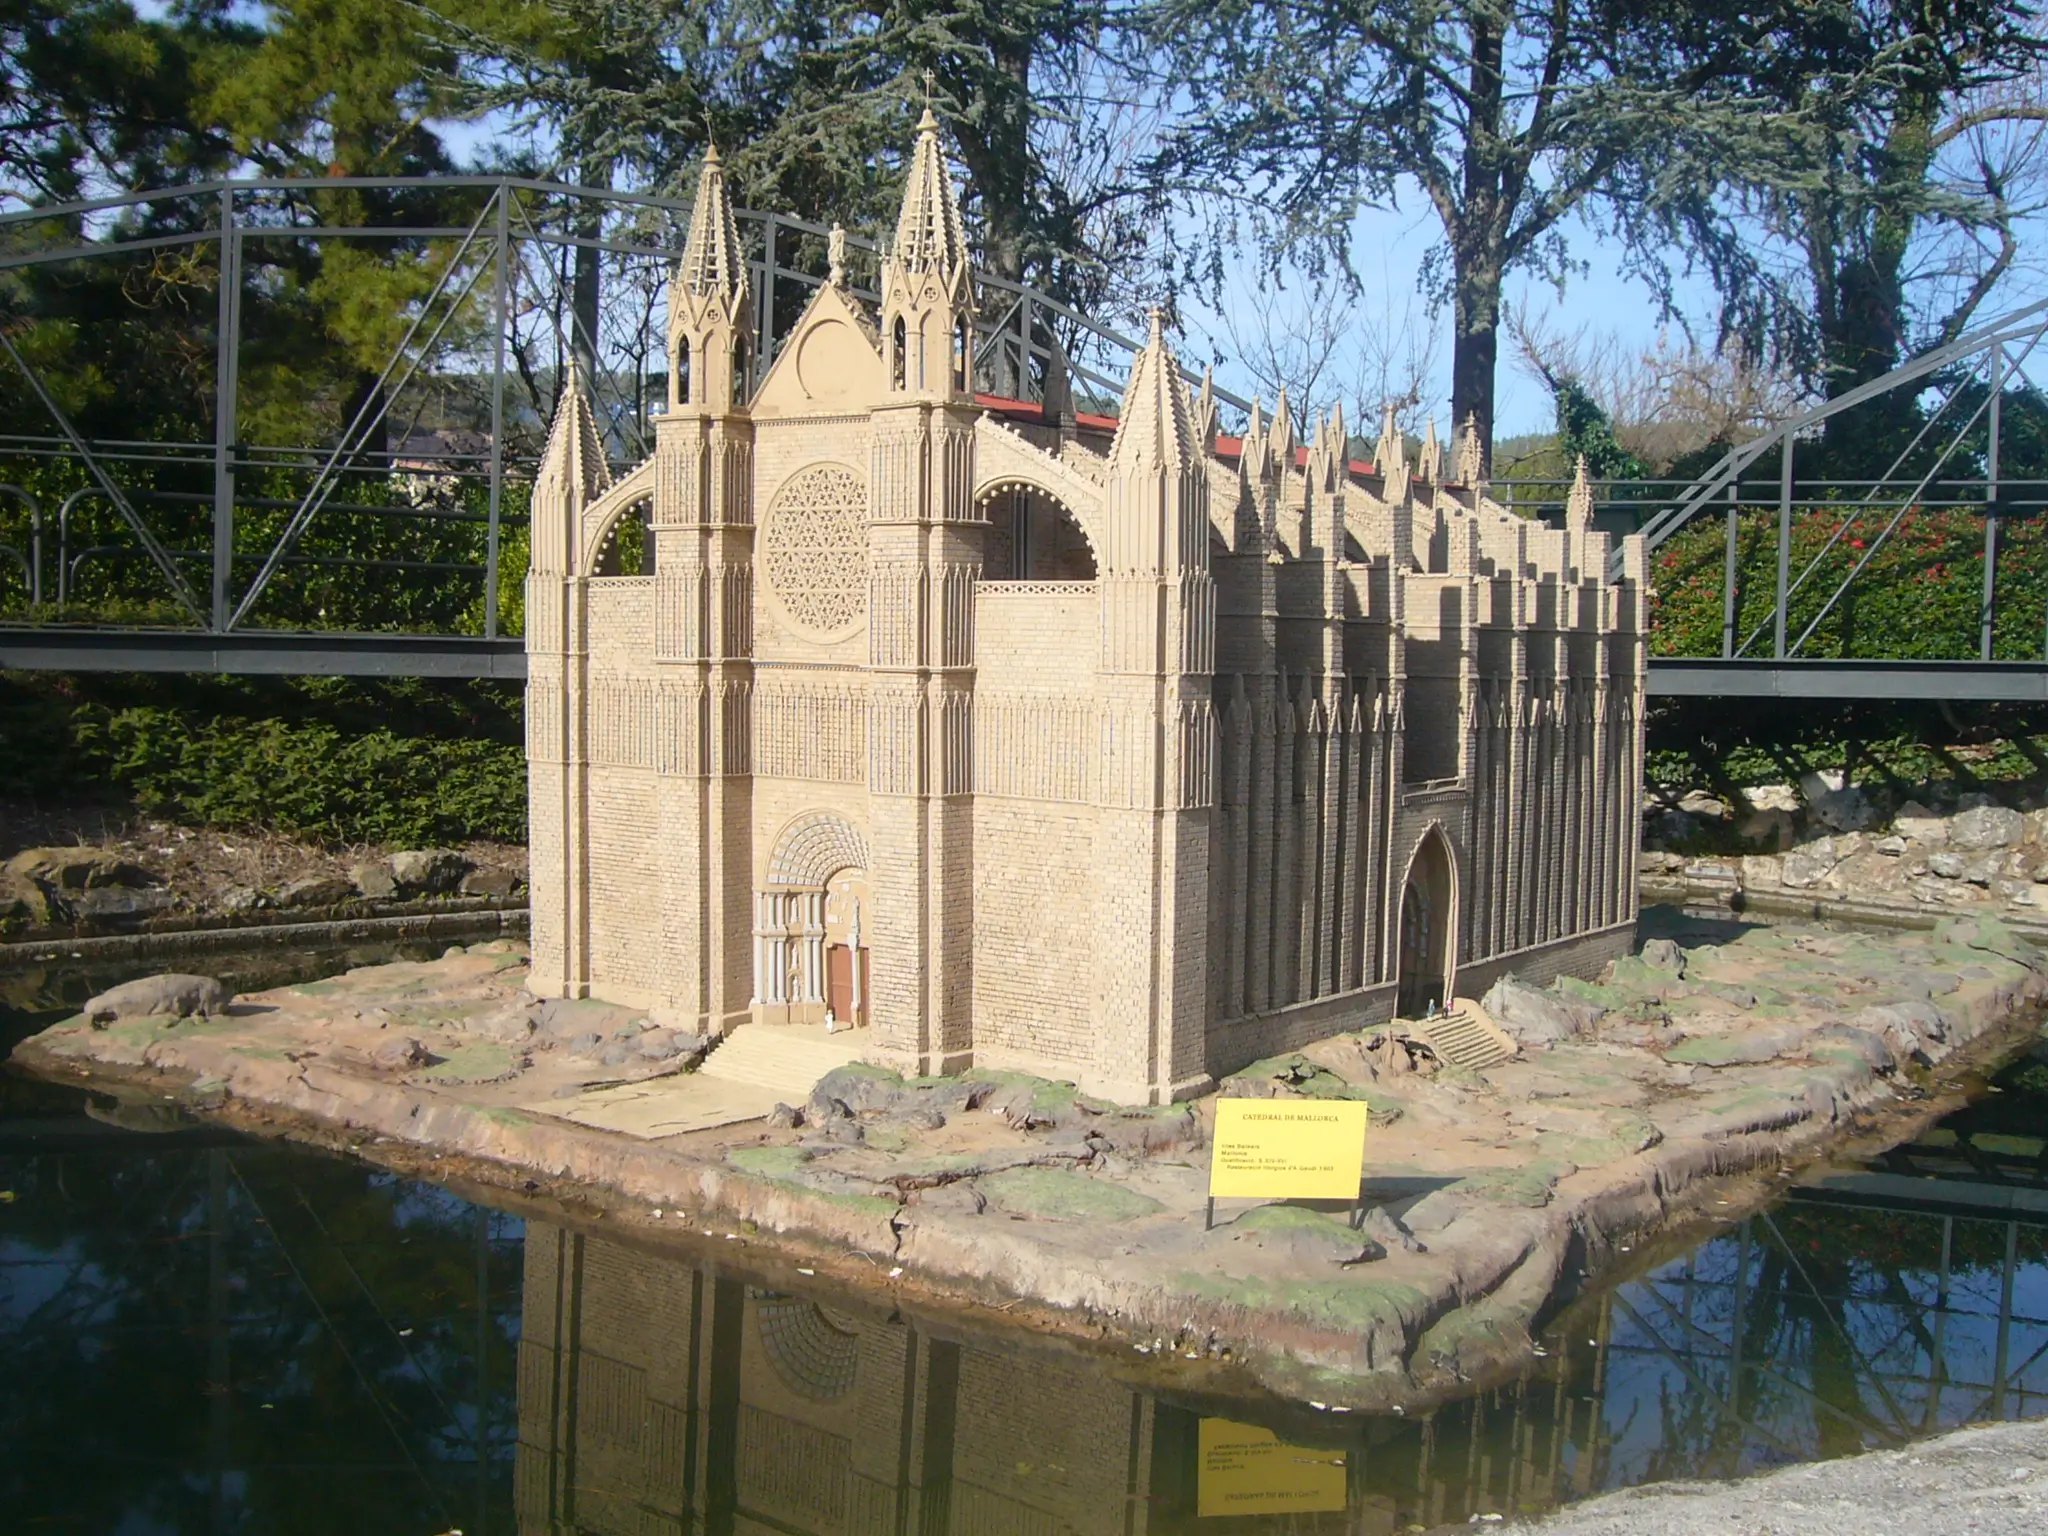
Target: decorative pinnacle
712	263
1156	426
1578	507
930	236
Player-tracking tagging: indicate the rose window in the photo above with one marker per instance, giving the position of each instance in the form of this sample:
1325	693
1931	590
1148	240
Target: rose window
814	546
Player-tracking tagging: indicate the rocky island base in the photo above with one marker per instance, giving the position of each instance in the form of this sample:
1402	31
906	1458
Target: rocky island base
1634	1106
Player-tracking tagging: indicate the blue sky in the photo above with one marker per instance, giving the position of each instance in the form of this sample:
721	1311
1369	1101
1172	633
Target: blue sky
1389	246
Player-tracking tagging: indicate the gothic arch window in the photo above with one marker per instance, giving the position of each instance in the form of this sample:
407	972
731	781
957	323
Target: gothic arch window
898	340
683	371
1035	537
963	355
739	370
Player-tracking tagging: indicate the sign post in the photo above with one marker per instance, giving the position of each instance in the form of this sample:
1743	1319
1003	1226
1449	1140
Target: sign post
1286	1149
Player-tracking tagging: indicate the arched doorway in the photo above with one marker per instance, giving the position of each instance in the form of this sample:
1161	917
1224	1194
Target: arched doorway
1428	913
812	918
846	948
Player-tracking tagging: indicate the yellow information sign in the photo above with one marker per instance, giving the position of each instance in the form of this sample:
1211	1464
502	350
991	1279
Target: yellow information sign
1287	1149
1246	1470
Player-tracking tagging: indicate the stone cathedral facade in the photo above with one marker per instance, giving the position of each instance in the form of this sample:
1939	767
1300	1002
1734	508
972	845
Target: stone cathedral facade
1114	750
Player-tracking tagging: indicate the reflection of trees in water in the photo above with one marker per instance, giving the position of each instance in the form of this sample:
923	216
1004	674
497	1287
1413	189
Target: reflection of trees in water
251	1337
133	1282
1817	1331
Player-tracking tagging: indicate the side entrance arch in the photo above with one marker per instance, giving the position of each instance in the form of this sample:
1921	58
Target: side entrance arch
811	925
1429	903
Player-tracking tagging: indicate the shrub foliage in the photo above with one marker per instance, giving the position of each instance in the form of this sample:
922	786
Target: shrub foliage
331	760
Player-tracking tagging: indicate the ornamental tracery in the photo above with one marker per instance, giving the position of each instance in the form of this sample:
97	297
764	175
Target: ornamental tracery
814	546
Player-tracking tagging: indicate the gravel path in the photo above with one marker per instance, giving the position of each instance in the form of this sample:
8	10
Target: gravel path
1990	1481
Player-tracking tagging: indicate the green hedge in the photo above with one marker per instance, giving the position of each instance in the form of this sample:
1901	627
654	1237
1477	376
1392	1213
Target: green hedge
330	760
1918	597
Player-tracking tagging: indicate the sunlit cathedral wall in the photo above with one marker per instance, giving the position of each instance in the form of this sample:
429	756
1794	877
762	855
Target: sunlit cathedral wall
1114	749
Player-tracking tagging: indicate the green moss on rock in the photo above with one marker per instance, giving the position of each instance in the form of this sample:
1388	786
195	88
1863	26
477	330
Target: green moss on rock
1355	1305
480	1061
769	1162
1527	1186
1057	1194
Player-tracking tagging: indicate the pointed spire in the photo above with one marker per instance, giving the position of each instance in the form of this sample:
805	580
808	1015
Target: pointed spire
713	263
1429	463
1254	458
1205	410
1283	434
1578	505
1156	428
575	450
1470	469
930	236
1254	438
572	474
1390	457
1340	437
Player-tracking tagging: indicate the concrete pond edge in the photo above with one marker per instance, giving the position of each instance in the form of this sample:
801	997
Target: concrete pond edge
465	918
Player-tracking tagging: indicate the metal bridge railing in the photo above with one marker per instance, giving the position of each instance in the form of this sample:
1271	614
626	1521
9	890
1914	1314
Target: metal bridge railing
494	330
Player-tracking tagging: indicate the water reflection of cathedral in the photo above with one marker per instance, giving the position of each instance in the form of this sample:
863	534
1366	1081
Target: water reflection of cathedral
657	1398
654	1398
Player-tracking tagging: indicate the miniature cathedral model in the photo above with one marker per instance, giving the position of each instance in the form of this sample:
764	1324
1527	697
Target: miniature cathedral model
1118	752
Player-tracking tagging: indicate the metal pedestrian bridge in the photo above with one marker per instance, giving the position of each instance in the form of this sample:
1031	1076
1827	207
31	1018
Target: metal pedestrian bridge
213	553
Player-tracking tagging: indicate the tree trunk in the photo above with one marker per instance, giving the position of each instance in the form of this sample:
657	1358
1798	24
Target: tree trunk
585	295
1869	334
996	154
1475	344
1476	232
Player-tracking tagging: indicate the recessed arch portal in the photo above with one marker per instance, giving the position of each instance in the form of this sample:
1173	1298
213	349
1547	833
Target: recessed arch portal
812	920
1429	910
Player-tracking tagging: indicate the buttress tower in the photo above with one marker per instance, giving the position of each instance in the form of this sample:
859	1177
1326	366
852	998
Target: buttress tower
924	555
572	475
1154	687
703	528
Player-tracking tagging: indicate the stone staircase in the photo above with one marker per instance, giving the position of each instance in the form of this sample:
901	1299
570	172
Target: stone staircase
787	1061
1465	1036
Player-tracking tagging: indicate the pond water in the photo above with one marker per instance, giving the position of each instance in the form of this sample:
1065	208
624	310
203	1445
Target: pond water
200	1333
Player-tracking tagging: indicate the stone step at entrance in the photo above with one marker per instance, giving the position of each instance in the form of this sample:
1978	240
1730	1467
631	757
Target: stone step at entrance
788	1060
746	1075
1465	1036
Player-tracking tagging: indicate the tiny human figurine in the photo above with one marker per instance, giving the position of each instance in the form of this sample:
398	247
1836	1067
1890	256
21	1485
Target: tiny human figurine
835	256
